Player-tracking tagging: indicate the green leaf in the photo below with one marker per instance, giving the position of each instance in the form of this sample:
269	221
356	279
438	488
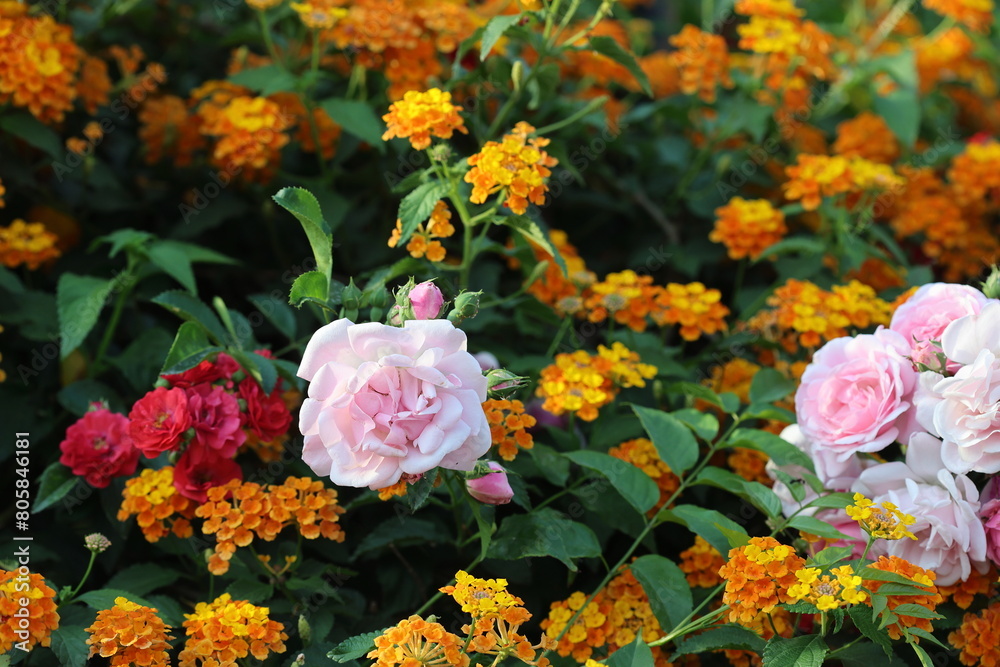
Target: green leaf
864	654
417	206
357	118
862	617
26	127
769	385
310	286
144	578
418	492
267	80
534	232
666	587
10	282
124	238
695	390
808	245
405	529
704	424
805	651
354	647
636	654
251	590
79	301
190	308
705	522
544	532
553	466
673	440
914	610
754	492
901	106
190	348
55	482
815	526
838	501
259	367
728	636
69	643
276	311
140	362
779	450
829	556
303	205
607	46
633	484
104	598
174	262
495	29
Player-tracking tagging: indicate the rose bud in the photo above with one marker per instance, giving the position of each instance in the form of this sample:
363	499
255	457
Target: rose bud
426	300
501	383
466	306
492	488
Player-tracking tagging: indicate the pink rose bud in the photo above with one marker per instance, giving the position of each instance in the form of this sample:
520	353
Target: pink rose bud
426	300
492	488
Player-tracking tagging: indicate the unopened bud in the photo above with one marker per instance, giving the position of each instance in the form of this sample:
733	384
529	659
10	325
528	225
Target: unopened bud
501	383
493	488
305	630
351	296
97	543
466	307
517	75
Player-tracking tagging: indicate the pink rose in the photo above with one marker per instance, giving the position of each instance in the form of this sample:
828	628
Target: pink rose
385	401
964	338
926	314
98	447
990	514
426	300
200	469
951	539
492	489
216	419
855	394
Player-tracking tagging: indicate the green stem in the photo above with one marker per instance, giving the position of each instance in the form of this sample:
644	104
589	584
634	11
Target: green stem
567	321
592	106
86	574
311	106
574	5
268	40
129	281
434	598
549	19
707	15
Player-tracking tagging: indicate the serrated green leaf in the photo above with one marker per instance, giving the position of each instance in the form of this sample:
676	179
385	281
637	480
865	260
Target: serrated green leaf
728	636
311	286
779	450
303	205
104	598
705	522
838	500
69	643
666	587
635	654
79	301
55	482
190	308
357	118
862	617
704	424
190	347
815	526
144	578
418	492
276	311
829	556
354	647
633	484
805	651
607	46
417	206
494	30
768	386
673	440
544	532
174	262
535	233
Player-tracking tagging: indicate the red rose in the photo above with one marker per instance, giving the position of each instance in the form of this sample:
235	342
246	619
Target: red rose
266	415
199	469
207	371
158	421
216	419
98	447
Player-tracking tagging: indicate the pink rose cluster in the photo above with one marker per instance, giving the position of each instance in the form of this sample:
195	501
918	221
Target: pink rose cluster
930	382
202	415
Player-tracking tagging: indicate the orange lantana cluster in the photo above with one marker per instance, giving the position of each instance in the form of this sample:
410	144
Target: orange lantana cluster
424	240
626	297
929	600
238	511
641	453
42	617
516	166
422	115
508	427
748	227
701	564
978	638
26	243
867	136
225	631
697	309
618	613
130	634
814	177
582	383
758	577
414	641
702	60
158	507
803	314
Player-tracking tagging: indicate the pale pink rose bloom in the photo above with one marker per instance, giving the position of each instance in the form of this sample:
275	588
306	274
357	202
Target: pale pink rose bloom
964	411
990	513
855	394
926	314
390	401
492	489
964	338
951	539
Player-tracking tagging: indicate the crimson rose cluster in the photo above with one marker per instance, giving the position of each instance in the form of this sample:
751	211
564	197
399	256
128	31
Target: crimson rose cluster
201	418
